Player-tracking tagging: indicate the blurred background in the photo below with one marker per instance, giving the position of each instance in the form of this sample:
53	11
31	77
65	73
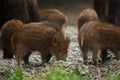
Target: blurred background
71	8
107	10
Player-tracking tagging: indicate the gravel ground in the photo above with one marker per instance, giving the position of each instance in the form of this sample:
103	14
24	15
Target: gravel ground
74	59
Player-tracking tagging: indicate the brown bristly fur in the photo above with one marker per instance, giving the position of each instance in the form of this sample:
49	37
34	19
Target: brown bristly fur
53	15
86	16
8	29
41	38
95	36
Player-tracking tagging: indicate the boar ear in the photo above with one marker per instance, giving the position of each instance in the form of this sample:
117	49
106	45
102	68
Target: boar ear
55	40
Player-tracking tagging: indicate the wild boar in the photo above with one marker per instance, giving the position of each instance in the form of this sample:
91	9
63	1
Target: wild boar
53	15
101	8
97	36
41	38
8	29
25	10
106	12
85	16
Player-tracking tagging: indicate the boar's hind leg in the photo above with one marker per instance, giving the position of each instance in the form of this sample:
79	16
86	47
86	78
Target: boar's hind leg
45	55
84	55
95	57
20	52
26	57
104	55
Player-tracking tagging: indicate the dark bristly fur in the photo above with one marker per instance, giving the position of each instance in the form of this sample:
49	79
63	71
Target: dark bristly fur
24	10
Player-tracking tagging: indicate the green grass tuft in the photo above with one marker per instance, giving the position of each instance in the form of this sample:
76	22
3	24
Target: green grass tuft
18	74
59	73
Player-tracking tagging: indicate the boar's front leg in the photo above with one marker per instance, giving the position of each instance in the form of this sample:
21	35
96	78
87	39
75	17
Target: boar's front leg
95	57
19	53
45	56
26	58
18	56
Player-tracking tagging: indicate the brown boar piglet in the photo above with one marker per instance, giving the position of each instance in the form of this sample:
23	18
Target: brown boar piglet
96	36
85	16
41	38
53	15
53	25
8	29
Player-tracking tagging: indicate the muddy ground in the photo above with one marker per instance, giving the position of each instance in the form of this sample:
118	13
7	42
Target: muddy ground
71	8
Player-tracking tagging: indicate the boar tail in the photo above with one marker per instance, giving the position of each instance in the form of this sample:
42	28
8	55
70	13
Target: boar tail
82	41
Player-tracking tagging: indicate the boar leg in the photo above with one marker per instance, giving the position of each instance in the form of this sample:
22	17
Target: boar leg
84	45
19	57
26	57
104	55
45	55
95	57
84	55
20	52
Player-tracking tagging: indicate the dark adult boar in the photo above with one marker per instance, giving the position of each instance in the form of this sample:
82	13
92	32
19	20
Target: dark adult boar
24	10
96	36
101	8
8	29
85	16
41	38
106	12
113	15
54	16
